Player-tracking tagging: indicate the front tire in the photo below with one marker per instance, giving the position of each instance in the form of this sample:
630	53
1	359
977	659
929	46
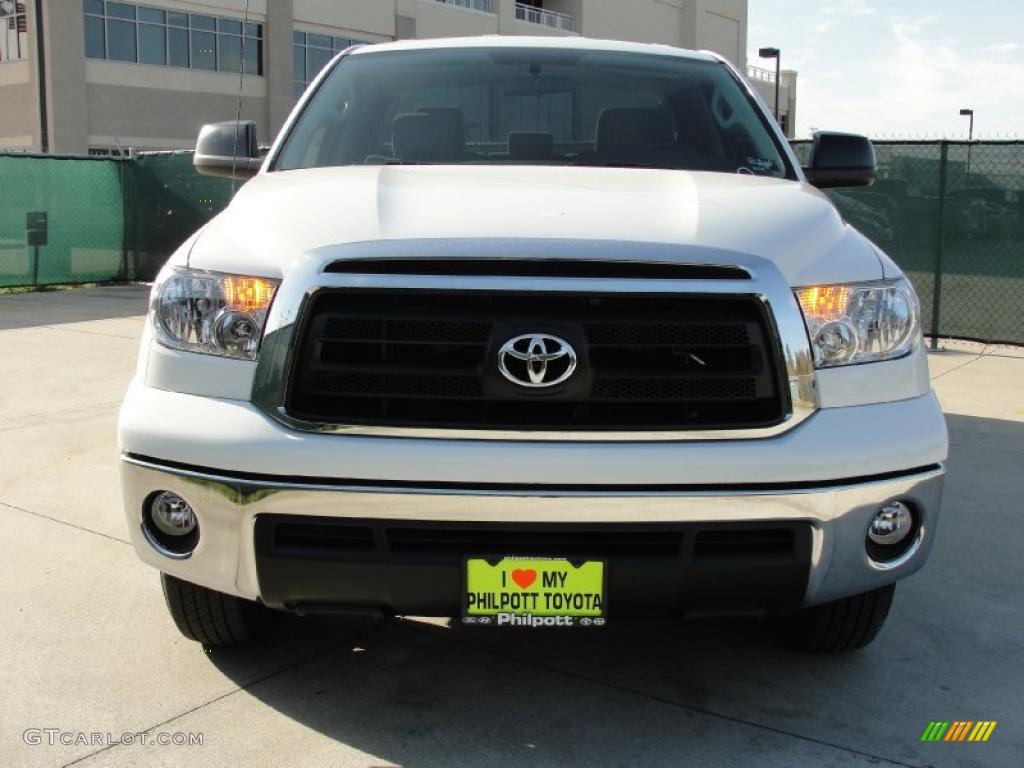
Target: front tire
213	618
842	625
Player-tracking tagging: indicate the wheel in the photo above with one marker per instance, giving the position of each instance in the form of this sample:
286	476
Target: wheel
211	617
842	625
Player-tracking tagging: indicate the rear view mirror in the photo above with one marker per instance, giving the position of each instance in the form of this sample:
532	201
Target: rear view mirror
841	160
228	149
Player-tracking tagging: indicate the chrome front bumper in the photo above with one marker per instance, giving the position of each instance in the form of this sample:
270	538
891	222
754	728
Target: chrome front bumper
227	506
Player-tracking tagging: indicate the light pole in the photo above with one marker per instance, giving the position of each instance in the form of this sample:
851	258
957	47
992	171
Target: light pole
970	130
970	138
773	53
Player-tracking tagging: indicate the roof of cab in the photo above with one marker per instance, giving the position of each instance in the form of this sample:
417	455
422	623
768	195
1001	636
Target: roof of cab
515	41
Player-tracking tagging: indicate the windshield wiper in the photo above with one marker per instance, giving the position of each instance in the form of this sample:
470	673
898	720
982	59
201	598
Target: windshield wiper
385	160
631	165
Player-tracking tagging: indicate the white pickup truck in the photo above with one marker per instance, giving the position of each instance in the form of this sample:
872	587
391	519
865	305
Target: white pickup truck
532	333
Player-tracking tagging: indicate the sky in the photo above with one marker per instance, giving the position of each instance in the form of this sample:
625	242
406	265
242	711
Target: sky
898	68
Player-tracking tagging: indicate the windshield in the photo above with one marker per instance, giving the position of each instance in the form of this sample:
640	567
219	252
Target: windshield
533	106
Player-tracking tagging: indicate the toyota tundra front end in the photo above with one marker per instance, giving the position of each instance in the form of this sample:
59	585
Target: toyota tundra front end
532	333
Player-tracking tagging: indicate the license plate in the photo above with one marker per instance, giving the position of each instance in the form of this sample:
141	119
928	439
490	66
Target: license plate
534	592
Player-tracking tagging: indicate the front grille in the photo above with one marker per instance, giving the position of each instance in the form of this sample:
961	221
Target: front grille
330	538
743	542
564	542
418	358
321	536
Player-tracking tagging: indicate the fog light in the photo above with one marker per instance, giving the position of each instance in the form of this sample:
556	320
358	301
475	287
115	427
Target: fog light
170	524
891	525
172	515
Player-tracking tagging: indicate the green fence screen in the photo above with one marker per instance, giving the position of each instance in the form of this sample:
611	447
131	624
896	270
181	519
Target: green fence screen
107	218
165	202
85	217
951	214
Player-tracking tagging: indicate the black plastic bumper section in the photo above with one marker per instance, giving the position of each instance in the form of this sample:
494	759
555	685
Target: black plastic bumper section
415	567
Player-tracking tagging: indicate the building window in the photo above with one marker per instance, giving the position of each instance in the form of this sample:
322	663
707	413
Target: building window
109	152
487	6
310	54
13	31
534	12
152	36
148	35
121	43
203	31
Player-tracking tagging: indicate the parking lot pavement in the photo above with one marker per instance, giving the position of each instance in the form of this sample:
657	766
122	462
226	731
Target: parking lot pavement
88	646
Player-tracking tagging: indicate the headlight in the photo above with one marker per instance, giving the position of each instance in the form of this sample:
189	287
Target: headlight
212	313
861	322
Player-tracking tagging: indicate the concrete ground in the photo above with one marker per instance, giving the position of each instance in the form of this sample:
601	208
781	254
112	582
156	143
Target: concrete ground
88	646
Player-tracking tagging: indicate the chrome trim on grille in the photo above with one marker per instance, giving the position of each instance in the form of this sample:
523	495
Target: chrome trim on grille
306	277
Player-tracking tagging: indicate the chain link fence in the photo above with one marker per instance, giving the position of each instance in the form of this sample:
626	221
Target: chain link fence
101	219
165	202
951	214
75	205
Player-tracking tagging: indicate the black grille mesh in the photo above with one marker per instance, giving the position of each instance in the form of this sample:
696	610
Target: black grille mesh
398	384
651	334
674	389
422	358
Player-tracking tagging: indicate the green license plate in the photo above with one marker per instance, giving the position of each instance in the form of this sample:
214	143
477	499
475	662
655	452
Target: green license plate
534	592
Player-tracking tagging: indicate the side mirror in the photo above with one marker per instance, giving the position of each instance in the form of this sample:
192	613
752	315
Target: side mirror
841	160
228	149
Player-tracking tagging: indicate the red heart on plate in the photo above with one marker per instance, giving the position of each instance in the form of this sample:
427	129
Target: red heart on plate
524	578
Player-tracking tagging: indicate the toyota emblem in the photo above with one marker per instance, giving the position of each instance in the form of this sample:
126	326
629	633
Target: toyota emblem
536	360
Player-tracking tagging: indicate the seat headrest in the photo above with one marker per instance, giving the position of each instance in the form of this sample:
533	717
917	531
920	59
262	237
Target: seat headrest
454	114
623	129
427	137
531	146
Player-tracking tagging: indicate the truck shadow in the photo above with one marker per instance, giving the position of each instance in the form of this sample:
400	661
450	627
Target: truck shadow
419	693
423	693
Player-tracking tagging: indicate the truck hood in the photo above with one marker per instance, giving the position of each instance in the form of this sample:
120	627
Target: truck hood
277	217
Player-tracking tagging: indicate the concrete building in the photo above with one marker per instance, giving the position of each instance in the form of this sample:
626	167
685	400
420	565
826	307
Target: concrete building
113	75
763	81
